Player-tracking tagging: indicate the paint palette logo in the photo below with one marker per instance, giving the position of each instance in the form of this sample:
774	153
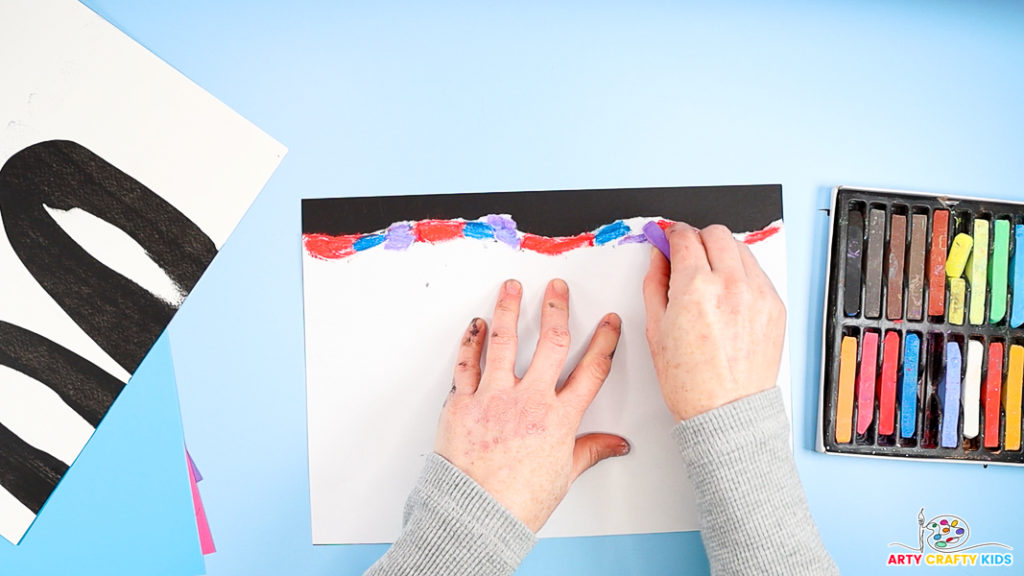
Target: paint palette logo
947	536
947	533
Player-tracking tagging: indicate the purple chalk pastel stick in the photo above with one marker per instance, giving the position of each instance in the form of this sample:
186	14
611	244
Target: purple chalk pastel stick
951	397
656	236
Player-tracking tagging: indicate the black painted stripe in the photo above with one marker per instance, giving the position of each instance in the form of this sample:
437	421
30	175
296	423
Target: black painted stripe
554	213
86	388
121	316
29	474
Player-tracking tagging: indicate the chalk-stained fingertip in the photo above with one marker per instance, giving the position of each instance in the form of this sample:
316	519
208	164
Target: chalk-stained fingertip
611	321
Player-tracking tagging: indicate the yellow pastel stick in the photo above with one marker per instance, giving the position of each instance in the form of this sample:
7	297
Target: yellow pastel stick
1012	397
958	254
977	272
957	293
844	405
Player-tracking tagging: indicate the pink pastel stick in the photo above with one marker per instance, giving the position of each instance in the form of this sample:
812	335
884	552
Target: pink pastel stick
866	382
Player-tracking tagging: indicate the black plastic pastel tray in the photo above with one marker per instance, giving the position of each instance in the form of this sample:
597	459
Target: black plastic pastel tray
837	324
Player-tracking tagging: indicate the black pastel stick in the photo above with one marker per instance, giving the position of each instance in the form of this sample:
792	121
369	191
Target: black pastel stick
932	400
854	253
875	250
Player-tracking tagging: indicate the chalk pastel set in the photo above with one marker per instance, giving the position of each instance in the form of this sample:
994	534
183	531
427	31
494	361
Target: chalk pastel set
923	347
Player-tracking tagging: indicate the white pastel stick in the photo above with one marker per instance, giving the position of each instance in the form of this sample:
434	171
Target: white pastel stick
972	388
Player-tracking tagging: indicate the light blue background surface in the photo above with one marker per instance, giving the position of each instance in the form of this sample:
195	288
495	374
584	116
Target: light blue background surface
125	507
403	98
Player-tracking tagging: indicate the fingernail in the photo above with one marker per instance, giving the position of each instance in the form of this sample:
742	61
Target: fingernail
512	286
560	287
623	448
612	321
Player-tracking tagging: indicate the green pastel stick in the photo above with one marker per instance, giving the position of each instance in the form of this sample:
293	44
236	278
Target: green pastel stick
999	271
977	272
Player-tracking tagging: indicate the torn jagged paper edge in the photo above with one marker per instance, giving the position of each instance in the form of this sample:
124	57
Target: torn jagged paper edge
497	228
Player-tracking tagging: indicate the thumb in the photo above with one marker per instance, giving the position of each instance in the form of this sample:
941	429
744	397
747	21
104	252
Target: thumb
592	448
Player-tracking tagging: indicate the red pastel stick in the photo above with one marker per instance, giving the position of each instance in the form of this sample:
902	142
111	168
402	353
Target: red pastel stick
887	390
866	382
937	263
993	394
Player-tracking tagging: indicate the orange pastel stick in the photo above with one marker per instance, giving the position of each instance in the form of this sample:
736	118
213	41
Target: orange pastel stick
847	374
1012	397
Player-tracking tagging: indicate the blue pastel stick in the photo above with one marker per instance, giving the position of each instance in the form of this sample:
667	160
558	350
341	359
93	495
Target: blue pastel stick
908	401
949	391
656	236
1017	277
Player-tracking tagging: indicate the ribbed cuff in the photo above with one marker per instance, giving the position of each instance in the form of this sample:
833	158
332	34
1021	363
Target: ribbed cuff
754	516
454	527
721	433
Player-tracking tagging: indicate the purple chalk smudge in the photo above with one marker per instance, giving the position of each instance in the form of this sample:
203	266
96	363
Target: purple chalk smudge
633	239
504	229
399	236
656	236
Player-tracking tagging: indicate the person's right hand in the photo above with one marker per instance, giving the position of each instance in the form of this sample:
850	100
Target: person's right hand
715	324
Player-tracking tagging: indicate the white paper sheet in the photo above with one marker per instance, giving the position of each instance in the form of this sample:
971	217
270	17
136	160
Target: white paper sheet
382	328
69	75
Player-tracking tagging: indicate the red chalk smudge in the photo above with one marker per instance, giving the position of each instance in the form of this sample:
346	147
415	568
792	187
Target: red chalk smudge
327	247
553	246
763	234
435	231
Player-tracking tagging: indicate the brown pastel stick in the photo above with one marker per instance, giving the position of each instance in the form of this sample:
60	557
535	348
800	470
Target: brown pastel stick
875	249
915	267
894	270
937	263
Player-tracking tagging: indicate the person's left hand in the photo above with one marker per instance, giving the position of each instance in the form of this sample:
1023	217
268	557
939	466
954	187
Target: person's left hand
516	437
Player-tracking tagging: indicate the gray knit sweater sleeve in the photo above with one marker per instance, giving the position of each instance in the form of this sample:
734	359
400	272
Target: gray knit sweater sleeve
453	527
753	514
754	518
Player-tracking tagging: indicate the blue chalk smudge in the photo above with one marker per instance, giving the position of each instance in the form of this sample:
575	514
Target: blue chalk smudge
478	230
367	242
611	232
